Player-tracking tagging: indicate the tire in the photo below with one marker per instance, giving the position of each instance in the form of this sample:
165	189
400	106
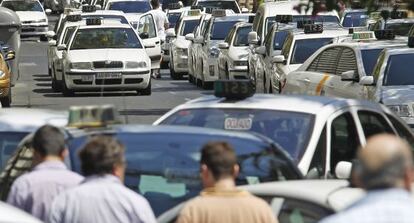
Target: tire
6	101
55	85
190	79
49	72
145	91
227	72
65	90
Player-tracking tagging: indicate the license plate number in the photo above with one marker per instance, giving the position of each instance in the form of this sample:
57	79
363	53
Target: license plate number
87	78
108	76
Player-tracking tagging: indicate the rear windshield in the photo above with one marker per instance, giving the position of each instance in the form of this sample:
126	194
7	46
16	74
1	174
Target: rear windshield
173	19
189	26
131	6
399	70
304	48
220	29
23	6
355	19
369	59
211	5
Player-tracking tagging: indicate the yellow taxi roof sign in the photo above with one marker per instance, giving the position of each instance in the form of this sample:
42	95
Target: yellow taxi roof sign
218	13
92	116
194	12
367	35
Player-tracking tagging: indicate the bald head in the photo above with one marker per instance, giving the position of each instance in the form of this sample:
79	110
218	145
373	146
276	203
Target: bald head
384	162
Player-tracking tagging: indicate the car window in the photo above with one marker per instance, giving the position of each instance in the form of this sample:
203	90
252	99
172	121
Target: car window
130	6
211	5
378	65
355	19
17	6
173	19
373	123
8	145
147	25
344	140
268	42
68	35
287	45
219	30
347	61
299	211
318	162
304	48
397	71
241	37
279	39
400	29
230	35
369	59
188	26
326	61
402	131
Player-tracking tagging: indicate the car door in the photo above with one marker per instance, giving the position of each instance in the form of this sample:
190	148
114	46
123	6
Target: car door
224	58
148	32
57	59
373	123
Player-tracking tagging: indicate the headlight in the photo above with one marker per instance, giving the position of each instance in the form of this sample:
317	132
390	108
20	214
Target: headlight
214	52
134	64
38	21
240	63
81	65
400	110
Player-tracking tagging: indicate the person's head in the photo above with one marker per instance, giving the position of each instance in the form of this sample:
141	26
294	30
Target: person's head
385	162
48	143
218	162
103	155
155	4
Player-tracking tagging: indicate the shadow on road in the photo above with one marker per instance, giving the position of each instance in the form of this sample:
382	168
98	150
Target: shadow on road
151	112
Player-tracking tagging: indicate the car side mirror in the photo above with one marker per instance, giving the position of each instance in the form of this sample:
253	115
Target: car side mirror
367	81
50	34
260	50
189	37
52	42
348	76
278	59
62	47
223	46
144	35
252	38
343	170
244	10
10	55
170	33
149	45
48	11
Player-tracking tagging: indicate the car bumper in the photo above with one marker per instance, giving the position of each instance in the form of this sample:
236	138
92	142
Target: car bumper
239	72
88	81
181	64
34	30
155	62
212	70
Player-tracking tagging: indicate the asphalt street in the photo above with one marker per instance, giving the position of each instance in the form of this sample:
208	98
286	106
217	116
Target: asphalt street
33	90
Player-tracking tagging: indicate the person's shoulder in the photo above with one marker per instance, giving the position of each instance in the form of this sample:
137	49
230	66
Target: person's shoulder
23	179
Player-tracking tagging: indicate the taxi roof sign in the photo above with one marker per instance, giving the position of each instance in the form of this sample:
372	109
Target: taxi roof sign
357	29
313	28
284	18
197	7
218	13
368	35
194	12
74	18
92	116
234	90
385	34
89	8
93	21
173	6
301	23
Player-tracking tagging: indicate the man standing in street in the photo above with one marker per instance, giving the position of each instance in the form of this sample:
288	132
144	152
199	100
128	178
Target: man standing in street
221	201
34	192
101	197
162	24
385	171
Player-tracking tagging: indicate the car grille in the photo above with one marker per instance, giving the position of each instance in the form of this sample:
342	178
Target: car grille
108	64
108	81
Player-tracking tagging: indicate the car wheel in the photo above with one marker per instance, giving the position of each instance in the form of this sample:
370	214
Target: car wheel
190	78
227	72
145	91
65	90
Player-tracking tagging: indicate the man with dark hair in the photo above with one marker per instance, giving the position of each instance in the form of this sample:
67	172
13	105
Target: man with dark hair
101	197
34	192
221	201
385	170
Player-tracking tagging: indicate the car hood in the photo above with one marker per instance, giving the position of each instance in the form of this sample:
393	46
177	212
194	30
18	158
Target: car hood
181	42
395	95
239	53
108	54
30	16
133	17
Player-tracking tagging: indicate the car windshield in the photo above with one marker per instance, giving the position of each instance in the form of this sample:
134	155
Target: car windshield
279	40
100	38
291	130
400	29
304	48
318	19
33	6
131	6
8	145
119	18
241	36
369	59
220	29
166	172
210	5
355	19
188	27
173	19
398	70
269	23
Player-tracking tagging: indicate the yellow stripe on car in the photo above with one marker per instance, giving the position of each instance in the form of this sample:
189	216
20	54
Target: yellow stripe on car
321	84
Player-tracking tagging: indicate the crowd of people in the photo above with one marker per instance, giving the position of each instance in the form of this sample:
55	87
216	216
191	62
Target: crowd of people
53	193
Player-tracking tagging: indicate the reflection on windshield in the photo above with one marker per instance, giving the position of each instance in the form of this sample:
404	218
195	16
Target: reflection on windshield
241	36
8	145
220	30
399	70
369	59
210	5
23	6
105	38
131	6
289	129
166	172
304	48
188	27
355	19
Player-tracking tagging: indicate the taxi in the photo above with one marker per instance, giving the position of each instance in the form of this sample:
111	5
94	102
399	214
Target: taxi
177	179
105	55
317	132
211	5
32	16
342	69
218	27
179	45
233	53
298	46
5	77
131	8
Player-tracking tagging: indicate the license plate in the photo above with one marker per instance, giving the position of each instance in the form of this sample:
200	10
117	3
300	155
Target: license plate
108	76
87	78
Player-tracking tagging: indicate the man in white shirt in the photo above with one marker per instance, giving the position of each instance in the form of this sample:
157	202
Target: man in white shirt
160	17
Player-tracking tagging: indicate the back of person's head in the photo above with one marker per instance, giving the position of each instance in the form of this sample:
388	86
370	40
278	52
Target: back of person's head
48	141
155	4
385	162
220	159
101	155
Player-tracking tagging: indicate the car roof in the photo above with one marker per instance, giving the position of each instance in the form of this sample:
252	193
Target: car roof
16	119
197	17
12	214
374	44
104	12
291	103
232	17
325	33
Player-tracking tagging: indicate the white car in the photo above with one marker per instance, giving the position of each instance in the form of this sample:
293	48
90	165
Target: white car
340	69
317	132
234	52
206	69
105	55
296	49
32	16
211	5
179	45
131	8
12	214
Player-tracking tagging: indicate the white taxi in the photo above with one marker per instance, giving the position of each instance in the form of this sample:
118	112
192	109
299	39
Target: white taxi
105	55
234	52
32	16
179	45
215	33
131	8
296	49
317	132
341	69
